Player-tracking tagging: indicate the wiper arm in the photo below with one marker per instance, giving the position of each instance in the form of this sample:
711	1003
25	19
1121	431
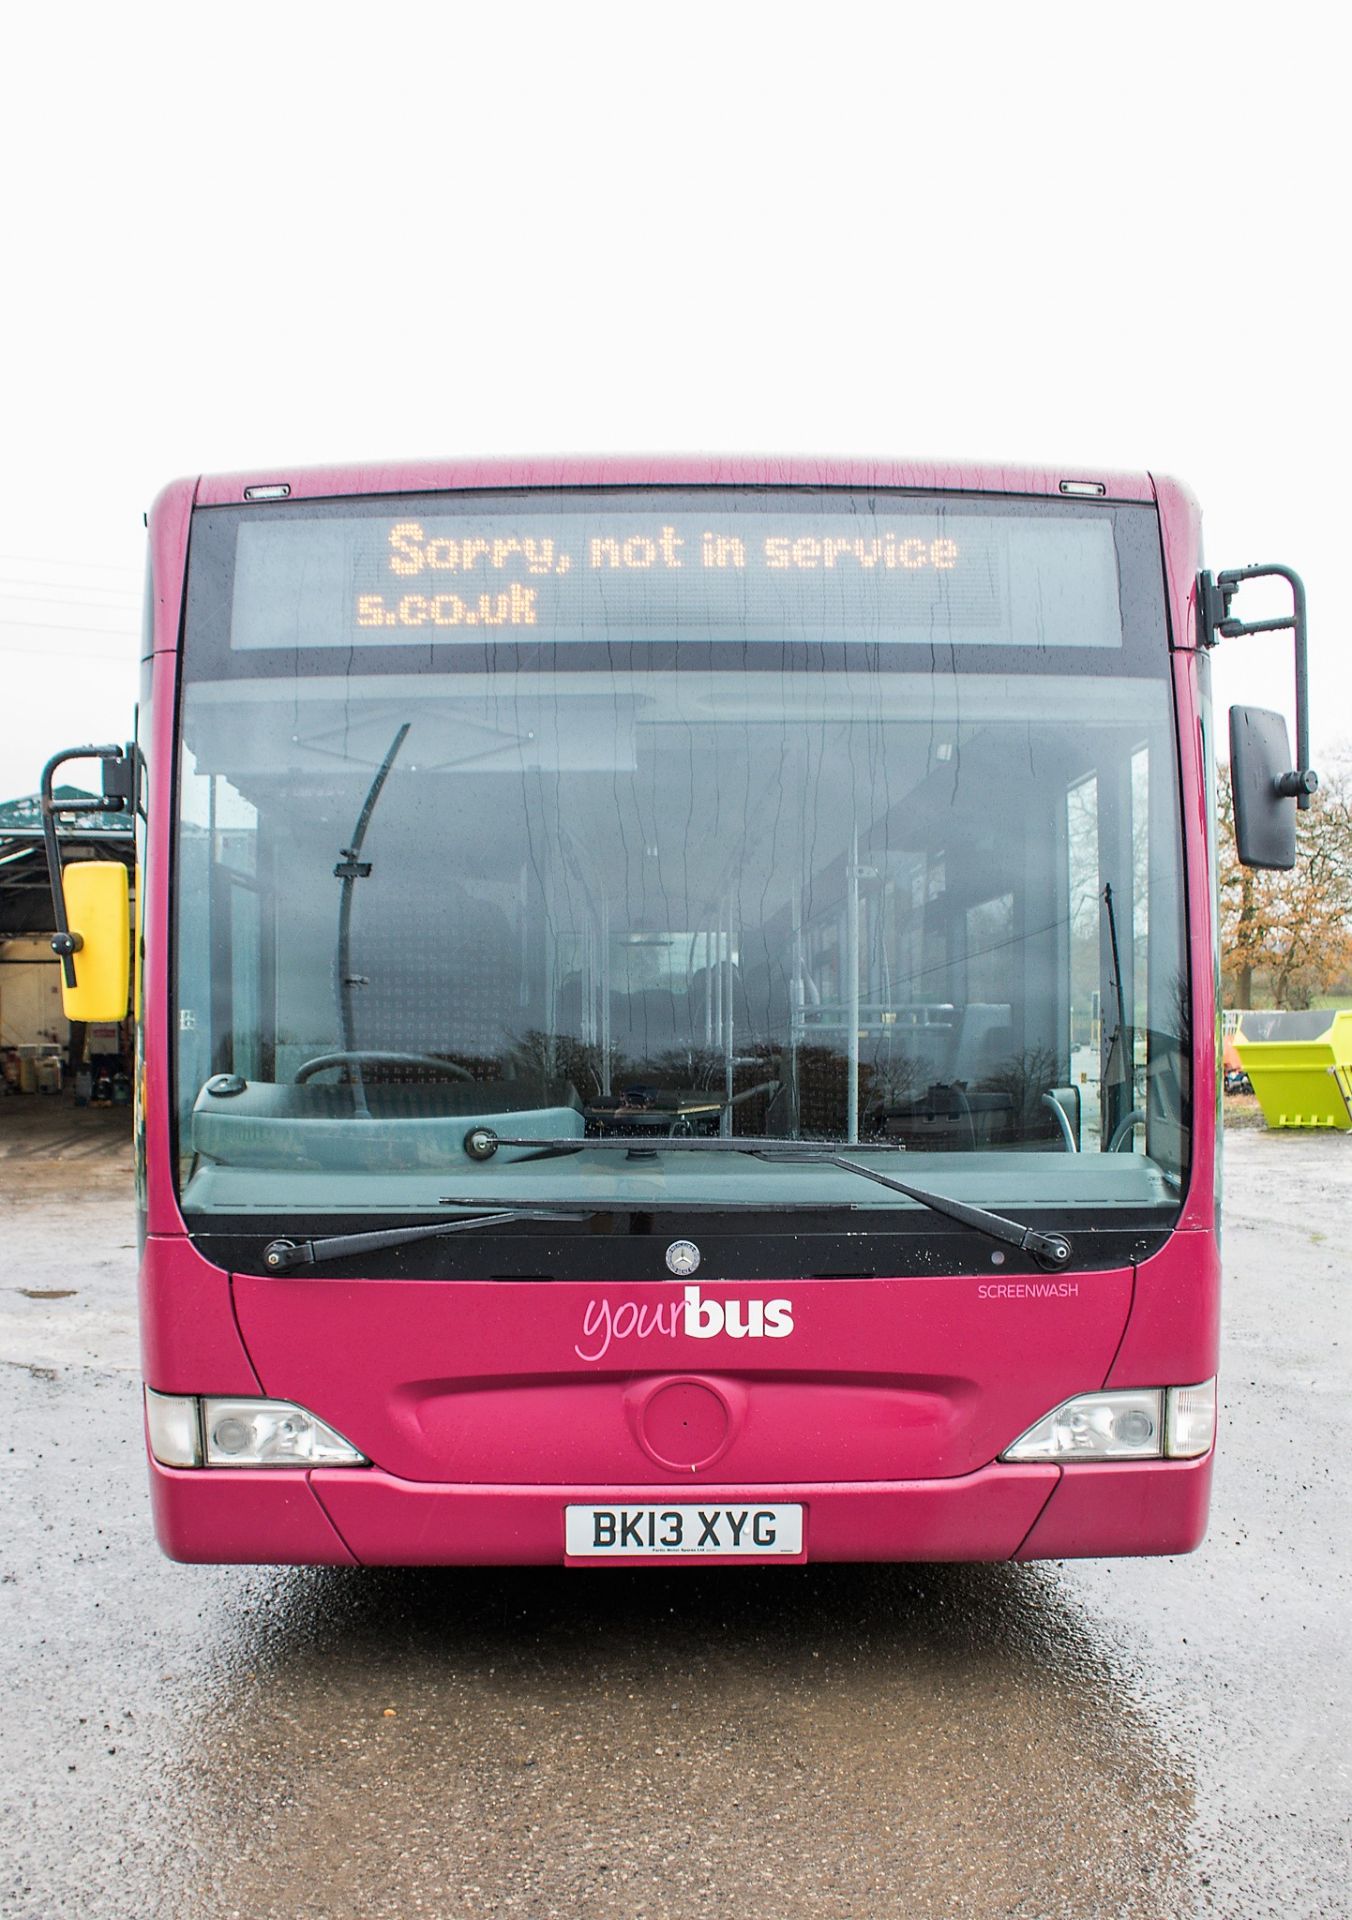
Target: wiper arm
279	1256
1051	1250
350	868
481	1143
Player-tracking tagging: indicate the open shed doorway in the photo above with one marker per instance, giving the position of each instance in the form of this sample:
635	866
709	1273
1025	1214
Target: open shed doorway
41	1052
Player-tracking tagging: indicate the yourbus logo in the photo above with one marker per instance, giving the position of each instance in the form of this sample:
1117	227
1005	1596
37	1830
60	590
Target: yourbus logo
694	1316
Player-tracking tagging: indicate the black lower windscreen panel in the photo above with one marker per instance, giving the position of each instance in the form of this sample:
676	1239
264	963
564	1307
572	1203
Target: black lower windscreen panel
631	1247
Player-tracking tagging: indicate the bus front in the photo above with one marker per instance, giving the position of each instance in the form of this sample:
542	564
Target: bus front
670	1029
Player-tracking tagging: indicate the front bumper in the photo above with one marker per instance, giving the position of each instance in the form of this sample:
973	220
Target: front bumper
364	1517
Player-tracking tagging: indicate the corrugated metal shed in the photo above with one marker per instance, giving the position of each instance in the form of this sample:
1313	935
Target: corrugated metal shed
25	898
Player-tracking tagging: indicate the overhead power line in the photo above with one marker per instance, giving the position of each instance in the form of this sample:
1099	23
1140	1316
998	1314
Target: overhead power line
66	565
128	653
28	625
109	599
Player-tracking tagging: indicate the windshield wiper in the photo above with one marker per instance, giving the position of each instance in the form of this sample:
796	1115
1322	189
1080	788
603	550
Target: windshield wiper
351	868
1052	1251
279	1256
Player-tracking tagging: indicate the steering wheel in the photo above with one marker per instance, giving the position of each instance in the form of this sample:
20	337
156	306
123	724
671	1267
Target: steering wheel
377	1056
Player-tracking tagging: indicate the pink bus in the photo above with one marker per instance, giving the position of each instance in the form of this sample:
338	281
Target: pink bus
679	1011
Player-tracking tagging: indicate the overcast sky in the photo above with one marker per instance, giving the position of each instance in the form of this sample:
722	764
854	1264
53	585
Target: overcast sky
265	234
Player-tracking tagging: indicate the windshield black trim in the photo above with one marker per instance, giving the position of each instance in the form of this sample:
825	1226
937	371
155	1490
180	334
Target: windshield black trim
629	1246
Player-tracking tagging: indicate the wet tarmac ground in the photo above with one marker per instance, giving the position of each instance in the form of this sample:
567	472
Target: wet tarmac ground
1110	1738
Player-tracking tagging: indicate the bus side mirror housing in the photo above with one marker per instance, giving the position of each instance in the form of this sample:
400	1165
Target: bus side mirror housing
1264	788
98	914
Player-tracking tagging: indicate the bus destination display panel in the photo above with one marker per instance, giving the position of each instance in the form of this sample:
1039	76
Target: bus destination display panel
418	573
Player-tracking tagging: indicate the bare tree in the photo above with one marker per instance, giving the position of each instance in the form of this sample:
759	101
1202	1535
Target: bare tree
1292	929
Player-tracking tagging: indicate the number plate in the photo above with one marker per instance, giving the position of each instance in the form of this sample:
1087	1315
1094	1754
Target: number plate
628	1533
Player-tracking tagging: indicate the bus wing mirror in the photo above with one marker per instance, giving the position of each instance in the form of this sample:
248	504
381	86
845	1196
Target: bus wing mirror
1264	789
95	896
1216	622
98	916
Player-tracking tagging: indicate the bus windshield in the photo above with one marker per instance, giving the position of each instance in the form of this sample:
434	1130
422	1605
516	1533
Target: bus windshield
674	816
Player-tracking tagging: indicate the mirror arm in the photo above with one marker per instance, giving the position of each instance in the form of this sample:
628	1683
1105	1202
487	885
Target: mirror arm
1214	597
116	798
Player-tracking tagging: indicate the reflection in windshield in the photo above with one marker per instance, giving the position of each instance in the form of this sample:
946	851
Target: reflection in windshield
940	913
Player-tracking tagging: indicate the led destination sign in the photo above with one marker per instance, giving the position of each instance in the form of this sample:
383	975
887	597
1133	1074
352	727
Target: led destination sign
475	558
410	577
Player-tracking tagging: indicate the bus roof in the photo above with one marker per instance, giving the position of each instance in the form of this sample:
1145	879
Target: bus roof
670	470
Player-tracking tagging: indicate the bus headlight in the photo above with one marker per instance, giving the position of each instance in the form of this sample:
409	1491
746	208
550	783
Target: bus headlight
187	1431
1139	1423
271	1433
